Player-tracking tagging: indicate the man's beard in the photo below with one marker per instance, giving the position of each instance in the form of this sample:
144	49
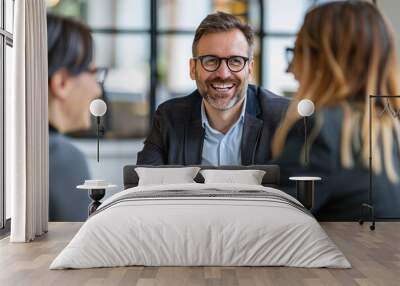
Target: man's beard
213	100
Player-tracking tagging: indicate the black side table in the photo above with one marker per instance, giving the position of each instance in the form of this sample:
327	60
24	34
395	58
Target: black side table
96	192
305	190
96	195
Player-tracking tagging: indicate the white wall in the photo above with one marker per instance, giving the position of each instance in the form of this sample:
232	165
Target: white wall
114	155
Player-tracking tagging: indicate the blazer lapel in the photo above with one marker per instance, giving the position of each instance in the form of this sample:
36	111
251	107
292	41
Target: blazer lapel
250	136
194	135
251	128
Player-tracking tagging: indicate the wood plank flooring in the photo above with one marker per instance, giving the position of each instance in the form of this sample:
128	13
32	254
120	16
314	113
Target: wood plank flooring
375	257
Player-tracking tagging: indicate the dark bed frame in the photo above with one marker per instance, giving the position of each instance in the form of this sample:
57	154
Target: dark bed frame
270	179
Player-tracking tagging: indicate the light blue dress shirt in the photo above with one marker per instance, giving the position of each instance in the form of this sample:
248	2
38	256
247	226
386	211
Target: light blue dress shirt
222	149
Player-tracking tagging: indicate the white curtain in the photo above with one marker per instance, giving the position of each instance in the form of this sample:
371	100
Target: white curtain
27	124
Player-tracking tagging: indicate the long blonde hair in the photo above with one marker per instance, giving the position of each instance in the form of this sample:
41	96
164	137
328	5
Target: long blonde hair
345	52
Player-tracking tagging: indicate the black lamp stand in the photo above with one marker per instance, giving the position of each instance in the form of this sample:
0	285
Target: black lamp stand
100	132
370	204
305	141
96	195
98	136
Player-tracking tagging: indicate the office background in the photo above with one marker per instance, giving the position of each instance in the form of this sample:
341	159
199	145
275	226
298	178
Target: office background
146	45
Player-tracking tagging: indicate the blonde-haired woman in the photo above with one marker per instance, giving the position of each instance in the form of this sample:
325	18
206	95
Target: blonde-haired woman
343	53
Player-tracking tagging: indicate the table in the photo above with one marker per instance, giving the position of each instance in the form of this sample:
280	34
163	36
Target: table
96	193
305	190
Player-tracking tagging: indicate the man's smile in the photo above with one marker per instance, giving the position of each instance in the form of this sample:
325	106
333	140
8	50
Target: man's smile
224	87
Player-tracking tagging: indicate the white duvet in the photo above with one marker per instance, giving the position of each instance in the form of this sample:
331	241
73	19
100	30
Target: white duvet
183	231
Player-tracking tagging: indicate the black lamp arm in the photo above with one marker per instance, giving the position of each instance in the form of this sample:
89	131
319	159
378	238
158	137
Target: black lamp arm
305	141
100	132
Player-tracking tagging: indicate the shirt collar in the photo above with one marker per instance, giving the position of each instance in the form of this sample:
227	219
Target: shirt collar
204	119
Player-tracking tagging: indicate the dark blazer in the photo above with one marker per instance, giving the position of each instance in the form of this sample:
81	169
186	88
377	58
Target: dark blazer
342	191
67	169
177	135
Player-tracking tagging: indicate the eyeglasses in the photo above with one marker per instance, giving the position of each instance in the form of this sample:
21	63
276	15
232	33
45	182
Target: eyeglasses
289	55
100	73
212	63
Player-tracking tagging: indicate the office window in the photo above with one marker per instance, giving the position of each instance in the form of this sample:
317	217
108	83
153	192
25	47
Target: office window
284	15
173	66
177	22
182	15
280	28
116	14
276	78
146	44
127	84
121	36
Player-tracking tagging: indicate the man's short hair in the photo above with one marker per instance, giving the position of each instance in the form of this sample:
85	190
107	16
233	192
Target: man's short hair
222	22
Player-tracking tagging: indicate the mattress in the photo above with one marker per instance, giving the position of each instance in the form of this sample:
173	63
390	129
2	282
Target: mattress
201	225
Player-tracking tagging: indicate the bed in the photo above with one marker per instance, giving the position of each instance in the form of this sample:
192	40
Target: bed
201	224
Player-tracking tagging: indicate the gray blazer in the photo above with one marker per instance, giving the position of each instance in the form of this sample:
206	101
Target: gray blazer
177	135
67	169
342	191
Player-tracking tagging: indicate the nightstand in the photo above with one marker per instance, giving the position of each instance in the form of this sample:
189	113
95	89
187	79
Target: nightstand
96	190
305	190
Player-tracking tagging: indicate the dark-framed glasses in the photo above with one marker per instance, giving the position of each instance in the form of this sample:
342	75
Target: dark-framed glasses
100	73
211	63
289	55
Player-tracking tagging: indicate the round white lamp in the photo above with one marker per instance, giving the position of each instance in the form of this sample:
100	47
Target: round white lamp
305	108
98	108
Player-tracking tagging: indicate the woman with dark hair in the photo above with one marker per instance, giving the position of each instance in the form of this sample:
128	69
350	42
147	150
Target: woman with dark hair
345	52
72	86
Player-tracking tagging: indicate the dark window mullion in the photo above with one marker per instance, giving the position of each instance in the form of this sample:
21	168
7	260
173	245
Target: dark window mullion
115	31
153	58
261	37
277	34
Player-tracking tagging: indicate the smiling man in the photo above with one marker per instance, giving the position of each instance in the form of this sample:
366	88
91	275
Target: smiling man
226	121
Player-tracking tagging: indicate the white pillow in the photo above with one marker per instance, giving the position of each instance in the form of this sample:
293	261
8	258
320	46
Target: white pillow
248	177
164	176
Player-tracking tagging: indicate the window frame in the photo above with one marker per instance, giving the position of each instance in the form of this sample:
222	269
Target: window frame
154	32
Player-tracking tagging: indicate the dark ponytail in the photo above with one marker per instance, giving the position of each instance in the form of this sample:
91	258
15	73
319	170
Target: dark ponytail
70	45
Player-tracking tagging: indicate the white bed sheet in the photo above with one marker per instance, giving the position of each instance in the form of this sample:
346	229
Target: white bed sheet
200	231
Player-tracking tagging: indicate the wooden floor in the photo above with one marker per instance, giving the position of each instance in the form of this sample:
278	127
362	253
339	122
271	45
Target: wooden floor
374	255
